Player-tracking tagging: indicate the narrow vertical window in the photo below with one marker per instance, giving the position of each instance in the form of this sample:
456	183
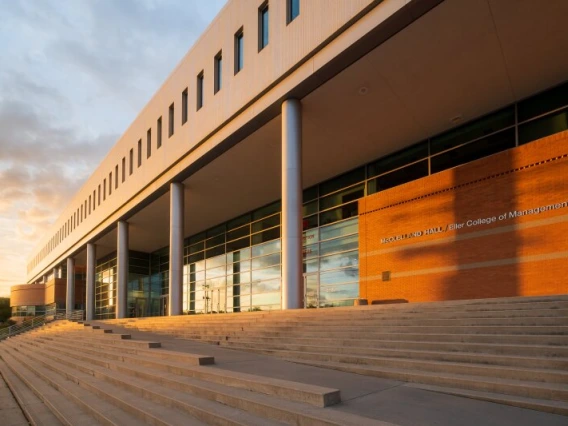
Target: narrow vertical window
262	26
123	169
131	162
110	183
139	152
149	143
94	199
184	107
89	211
199	90
171	122
104	189
99	195
218	80
116	177
292	10
159	132
239	50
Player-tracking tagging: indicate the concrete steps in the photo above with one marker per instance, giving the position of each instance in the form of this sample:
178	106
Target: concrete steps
515	348
87	374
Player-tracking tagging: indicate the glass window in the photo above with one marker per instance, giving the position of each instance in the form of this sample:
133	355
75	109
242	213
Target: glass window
261	237
542	127
342	197
265	274
550	100
341	260
473	130
238	244
218	230
310	193
264	261
199	90
238	222
344	212
131	162
237	233
473	151
398	177
139	153
158	133
215	241
293	10
310	222
310	208
266	248
215	251
339	245
184	107
171	122
263	26
340	276
346	227
218	78
343	181
269	222
398	159
311	251
149	141
329	294
239	51
267	210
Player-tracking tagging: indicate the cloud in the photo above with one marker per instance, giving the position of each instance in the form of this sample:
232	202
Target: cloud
74	75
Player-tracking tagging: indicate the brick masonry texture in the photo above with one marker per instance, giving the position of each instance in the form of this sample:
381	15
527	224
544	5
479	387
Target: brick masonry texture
499	257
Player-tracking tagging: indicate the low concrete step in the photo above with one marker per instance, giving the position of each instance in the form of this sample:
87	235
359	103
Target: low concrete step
548	376
293	391
70	403
171	390
555	407
106	338
534	390
134	398
385	339
36	412
542	357
157	353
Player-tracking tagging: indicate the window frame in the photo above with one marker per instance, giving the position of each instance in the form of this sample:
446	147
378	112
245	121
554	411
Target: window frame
262	10
218	72
239	50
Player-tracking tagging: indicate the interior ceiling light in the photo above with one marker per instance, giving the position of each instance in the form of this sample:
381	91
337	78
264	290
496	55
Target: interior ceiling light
363	91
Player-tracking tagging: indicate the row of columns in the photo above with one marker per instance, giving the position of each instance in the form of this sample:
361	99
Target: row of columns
291	233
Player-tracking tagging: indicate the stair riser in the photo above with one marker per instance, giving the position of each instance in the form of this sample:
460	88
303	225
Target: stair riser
103	359
471	370
209	418
520	390
323	323
533	360
244	404
100	417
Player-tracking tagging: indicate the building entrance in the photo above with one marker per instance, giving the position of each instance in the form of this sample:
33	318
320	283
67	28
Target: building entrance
164	305
311	290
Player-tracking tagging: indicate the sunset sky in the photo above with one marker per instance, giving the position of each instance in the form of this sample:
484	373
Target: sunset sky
73	75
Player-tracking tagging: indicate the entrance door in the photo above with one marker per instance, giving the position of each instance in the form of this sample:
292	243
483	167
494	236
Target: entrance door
140	307
311	290
164	305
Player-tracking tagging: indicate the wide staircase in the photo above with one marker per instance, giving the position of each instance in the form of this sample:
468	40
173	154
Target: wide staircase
512	350
69	373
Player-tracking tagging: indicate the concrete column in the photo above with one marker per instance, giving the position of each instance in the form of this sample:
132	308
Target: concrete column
55	273
90	290
176	249
70	300
292	281
122	269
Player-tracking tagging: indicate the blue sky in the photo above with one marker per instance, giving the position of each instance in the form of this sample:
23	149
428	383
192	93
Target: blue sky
73	75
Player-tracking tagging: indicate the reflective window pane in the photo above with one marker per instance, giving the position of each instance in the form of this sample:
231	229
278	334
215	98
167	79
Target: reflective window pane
340	229
339	245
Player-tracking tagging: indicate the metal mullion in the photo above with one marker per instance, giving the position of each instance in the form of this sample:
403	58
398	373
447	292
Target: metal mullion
473	140
401	167
552	111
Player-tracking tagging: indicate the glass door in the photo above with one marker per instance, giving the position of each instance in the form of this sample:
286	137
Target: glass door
311	290
164	305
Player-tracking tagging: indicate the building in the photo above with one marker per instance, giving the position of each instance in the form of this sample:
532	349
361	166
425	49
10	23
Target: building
315	153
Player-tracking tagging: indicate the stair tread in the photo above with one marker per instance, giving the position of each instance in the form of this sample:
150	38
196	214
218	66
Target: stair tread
30	403
541	385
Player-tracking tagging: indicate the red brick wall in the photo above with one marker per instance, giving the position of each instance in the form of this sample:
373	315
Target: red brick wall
512	256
